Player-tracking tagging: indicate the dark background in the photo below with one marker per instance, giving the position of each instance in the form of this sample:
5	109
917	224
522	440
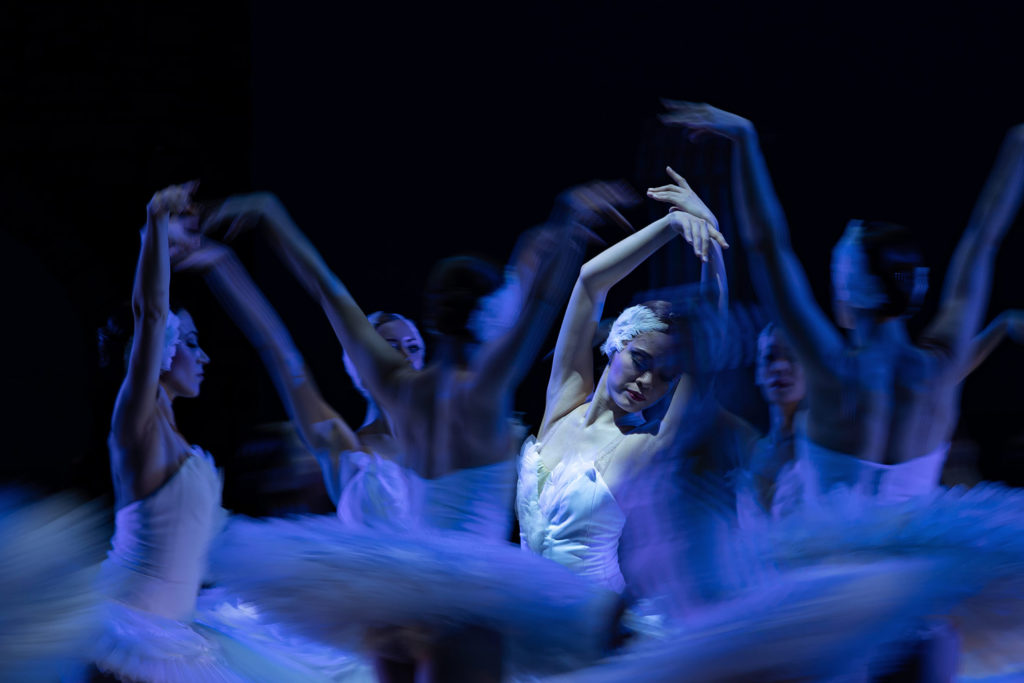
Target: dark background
398	135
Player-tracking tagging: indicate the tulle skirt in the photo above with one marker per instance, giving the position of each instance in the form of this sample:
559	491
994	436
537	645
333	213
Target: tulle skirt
823	623
346	587
228	640
49	554
976	537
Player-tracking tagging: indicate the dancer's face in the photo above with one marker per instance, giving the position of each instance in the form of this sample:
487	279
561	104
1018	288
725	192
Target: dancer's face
183	223
403	337
642	372
186	373
779	374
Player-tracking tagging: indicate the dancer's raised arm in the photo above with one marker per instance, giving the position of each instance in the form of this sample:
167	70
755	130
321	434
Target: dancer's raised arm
765	233
379	364
131	424
322	429
546	261
572	370
969	278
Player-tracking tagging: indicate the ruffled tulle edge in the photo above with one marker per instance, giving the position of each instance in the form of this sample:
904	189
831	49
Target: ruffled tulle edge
978	533
813	623
223	646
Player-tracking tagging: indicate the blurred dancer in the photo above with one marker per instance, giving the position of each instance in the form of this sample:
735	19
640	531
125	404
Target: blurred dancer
343	453
780	377
168	500
592	458
453	472
767	472
881	409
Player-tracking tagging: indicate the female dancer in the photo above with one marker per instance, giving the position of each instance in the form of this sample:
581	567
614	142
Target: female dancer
881	408
168	501
595	446
898	401
780	377
451	423
344	454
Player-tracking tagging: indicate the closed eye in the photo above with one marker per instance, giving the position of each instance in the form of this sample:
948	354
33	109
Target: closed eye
640	360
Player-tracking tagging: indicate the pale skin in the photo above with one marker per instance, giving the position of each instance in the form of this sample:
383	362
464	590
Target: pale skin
876	395
1009	323
639	375
454	414
146	448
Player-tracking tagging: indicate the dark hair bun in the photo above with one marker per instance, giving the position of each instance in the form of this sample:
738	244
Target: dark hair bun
453	289
894	257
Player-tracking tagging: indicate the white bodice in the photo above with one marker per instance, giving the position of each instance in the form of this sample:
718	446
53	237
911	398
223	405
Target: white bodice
569	515
160	543
381	494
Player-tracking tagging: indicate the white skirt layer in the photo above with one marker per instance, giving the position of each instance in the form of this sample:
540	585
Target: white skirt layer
228	641
49	556
978	535
342	587
821	623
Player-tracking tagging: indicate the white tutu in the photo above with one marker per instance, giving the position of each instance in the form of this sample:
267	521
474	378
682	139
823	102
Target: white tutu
226	642
819	623
49	553
338	585
977	533
158	627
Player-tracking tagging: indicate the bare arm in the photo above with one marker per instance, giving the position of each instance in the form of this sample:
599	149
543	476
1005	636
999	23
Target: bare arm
572	371
714	284
714	320
136	400
1006	323
380	366
969	279
765	234
549	263
322	429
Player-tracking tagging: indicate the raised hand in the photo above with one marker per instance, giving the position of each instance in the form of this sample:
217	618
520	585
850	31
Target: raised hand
682	197
700	117
241	212
593	203
697	232
174	204
206	254
690	217
175	199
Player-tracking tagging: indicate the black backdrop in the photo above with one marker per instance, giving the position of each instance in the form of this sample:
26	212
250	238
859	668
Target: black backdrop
400	135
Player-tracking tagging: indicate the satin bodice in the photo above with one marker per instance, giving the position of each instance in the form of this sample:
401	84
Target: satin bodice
160	544
381	494
569	515
822	470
